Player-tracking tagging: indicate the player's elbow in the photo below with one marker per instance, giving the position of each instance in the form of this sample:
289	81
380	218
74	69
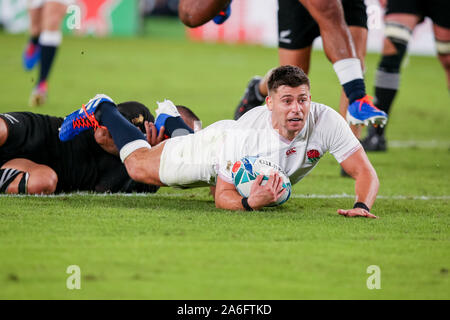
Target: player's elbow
222	203
189	19
219	202
196	13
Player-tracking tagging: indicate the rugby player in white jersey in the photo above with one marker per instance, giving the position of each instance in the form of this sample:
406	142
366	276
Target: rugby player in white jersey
292	131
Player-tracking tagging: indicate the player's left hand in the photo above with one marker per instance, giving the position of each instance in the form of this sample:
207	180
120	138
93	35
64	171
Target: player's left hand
153	138
356	212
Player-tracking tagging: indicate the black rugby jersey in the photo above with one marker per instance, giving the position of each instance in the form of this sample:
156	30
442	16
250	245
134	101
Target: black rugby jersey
81	164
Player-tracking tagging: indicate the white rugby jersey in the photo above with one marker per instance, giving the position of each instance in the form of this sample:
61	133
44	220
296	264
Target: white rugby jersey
253	135
212	151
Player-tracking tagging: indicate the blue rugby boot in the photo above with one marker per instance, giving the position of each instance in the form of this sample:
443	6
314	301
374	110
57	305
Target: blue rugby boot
251	98
223	15
31	56
167	116
363	111
82	119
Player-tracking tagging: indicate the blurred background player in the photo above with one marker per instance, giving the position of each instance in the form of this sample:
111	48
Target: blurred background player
402	16
297	31
338	46
46	17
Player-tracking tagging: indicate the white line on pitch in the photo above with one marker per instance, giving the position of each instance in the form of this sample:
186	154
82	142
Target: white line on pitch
181	195
430	144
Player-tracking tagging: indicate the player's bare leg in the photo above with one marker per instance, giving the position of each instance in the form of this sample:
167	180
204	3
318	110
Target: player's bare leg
50	38
398	31
337	40
3	132
31	55
143	165
35	21
340	50
41	179
442	36
359	36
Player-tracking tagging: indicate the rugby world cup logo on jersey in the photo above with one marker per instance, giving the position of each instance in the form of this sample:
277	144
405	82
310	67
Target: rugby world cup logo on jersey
313	155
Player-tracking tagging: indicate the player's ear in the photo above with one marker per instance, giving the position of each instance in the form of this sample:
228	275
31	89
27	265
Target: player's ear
269	102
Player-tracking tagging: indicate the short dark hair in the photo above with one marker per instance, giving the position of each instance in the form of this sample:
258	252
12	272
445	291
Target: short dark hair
136	112
290	76
188	115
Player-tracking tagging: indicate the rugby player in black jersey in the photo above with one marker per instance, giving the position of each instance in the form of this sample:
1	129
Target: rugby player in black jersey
34	161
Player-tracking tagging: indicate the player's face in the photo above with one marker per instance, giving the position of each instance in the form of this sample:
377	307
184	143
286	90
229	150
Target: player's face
290	108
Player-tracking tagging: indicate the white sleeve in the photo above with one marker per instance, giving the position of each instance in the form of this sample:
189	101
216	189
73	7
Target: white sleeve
337	136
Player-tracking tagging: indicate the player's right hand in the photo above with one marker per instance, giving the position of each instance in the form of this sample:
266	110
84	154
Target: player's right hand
263	195
153	138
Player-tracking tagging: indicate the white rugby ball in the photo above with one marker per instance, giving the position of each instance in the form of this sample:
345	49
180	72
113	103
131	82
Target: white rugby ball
245	171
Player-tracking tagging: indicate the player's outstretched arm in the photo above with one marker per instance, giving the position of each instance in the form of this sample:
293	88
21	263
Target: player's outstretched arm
194	13
227	197
366	184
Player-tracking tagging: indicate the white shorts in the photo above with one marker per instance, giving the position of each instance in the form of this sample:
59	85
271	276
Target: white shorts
34	4
187	162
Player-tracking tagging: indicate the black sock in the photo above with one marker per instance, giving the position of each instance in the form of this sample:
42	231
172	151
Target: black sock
355	89
121	130
175	126
47	56
383	101
35	40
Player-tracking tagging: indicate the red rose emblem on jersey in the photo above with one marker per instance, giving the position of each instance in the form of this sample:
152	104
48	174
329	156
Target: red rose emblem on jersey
313	155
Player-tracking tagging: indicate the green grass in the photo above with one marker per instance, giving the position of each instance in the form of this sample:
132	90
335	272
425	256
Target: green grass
175	244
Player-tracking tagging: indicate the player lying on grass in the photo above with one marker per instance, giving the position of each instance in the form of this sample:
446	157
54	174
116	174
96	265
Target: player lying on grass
291	131
34	161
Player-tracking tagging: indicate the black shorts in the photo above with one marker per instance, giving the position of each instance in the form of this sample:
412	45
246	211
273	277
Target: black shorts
29	135
297	29
436	10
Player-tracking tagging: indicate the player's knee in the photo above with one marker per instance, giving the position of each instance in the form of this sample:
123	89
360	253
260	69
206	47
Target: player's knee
399	36
187	20
3	132
325	10
44	182
443	50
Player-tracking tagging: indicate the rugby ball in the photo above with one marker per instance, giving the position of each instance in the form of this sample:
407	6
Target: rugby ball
245	171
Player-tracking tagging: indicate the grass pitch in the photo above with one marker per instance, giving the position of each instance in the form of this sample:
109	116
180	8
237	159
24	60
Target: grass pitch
176	245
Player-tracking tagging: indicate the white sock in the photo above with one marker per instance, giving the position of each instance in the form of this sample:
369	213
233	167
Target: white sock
348	70
131	147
